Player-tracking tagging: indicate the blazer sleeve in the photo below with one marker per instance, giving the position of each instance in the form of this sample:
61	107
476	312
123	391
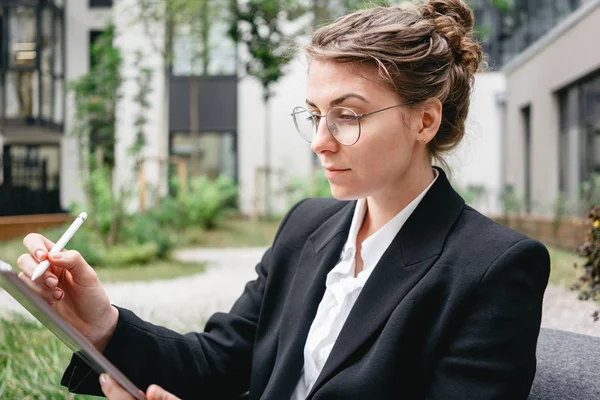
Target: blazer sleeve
215	363
492	355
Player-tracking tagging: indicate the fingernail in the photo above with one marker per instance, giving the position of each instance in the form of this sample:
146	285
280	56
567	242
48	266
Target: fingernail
104	379
39	254
58	294
51	281
57	256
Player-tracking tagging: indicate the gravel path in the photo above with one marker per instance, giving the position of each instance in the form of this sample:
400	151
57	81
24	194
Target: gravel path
186	303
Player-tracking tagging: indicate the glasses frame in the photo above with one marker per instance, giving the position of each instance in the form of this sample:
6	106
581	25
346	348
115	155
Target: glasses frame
357	116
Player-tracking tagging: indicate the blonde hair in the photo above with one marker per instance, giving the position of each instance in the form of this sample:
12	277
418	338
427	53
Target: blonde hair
425	50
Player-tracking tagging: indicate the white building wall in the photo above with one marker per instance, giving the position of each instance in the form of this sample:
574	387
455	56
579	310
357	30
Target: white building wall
477	161
79	21
290	154
133	37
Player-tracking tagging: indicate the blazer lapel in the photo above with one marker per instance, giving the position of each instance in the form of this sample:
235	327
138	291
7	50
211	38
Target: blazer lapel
319	255
410	256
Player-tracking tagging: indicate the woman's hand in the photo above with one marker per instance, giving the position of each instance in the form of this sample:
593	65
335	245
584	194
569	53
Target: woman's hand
113	391
72	287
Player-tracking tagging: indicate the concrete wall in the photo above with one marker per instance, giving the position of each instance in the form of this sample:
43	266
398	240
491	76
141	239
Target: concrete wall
132	37
564	55
290	154
79	21
477	160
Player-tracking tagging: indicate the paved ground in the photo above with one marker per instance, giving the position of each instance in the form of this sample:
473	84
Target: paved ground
186	303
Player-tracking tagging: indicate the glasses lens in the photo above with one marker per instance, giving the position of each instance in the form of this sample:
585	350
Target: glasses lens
343	125
305	123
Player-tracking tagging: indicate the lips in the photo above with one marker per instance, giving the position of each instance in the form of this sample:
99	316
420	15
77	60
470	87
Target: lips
332	172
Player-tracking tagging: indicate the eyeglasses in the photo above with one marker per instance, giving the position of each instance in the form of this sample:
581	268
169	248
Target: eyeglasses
343	123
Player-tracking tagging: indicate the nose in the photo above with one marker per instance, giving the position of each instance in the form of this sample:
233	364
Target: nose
324	140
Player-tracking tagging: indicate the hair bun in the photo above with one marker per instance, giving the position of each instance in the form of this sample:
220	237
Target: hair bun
453	19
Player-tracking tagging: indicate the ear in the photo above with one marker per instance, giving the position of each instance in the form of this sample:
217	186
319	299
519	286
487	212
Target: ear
430	119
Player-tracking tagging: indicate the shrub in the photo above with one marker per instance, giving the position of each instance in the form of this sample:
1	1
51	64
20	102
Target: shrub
317	186
143	228
588	284
119	256
88	243
203	203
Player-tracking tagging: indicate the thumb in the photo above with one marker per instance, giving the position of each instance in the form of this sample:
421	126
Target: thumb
72	261
155	392
112	390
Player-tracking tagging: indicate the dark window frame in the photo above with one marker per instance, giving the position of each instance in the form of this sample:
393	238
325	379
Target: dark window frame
526	123
100	3
6	68
235	149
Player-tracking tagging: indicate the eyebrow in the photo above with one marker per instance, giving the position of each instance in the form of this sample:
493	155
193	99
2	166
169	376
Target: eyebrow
340	100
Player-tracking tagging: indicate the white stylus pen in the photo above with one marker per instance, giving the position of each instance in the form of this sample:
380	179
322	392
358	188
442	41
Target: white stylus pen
62	242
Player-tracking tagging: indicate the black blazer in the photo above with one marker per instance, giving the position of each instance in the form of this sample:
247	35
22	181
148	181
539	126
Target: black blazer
451	311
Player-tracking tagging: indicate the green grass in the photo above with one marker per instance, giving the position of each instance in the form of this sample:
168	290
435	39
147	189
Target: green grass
235	232
32	361
11	249
563	273
157	270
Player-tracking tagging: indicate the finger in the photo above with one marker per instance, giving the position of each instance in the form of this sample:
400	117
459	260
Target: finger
51	295
28	264
37	245
112	390
155	392
72	261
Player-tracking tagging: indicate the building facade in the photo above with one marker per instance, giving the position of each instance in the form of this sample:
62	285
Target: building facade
553	114
32	107
202	122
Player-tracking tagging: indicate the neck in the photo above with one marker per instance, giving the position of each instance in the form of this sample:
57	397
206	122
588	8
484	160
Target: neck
384	206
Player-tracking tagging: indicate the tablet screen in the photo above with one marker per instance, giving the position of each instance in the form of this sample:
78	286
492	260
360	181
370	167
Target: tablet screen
78	343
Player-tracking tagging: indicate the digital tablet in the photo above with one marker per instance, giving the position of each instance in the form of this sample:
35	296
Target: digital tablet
80	345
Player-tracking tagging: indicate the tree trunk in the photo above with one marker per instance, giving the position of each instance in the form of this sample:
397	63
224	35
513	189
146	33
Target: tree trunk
116	213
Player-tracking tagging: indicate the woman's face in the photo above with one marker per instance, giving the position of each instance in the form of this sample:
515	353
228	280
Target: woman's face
389	146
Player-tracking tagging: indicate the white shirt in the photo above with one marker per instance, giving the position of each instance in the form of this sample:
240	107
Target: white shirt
342	289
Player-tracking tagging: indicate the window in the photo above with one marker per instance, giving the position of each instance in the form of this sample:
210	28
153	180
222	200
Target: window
101	3
216	154
579	147
188	51
532	19
22	38
32	76
94	36
526	119
22	95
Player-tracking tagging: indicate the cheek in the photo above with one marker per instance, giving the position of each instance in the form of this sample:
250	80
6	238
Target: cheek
390	152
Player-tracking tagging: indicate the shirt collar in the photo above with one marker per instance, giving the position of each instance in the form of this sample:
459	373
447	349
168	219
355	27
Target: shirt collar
375	245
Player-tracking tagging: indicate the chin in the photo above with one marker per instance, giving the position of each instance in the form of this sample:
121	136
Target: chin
344	193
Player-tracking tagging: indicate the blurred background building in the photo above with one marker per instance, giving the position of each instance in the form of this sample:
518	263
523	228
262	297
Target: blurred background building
531	132
553	106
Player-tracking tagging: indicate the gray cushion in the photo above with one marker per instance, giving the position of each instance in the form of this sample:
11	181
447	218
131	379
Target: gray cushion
568	366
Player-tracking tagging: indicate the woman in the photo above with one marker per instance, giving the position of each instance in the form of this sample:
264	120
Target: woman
397	289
